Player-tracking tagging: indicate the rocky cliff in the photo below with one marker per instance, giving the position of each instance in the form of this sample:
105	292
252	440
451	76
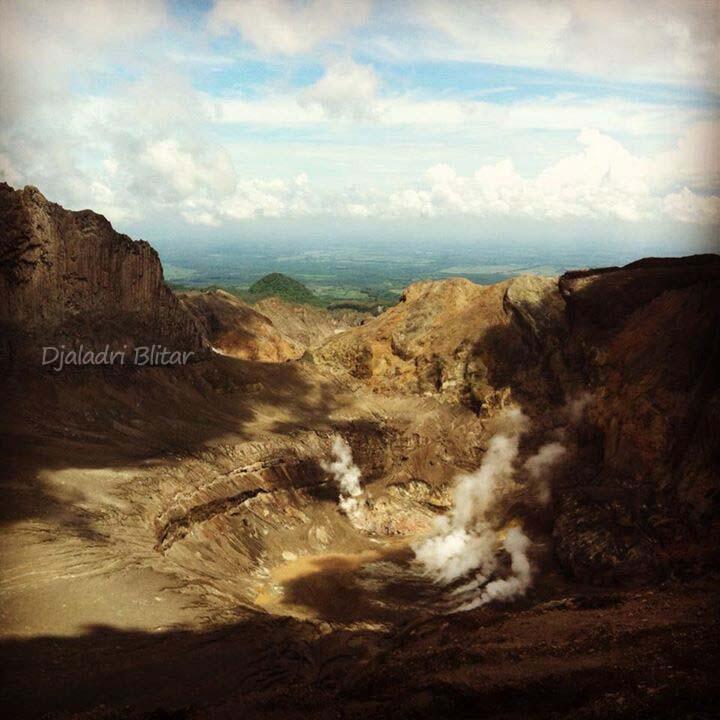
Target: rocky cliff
69	277
425	343
644	340
640	345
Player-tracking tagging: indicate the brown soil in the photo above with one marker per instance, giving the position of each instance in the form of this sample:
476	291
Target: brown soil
141	565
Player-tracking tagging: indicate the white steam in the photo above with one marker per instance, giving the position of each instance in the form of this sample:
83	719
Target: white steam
466	540
516	545
575	407
452	554
538	465
347	477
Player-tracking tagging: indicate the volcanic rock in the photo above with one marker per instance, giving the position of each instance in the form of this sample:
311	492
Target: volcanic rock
69	277
236	329
306	324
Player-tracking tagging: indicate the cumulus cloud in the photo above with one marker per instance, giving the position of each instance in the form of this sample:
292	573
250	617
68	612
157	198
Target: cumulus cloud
97	114
694	161
43	44
686	206
269	198
285	26
179	171
141	149
658	39
603	179
346	90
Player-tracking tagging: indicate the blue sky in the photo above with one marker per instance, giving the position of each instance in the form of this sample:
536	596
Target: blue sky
219	119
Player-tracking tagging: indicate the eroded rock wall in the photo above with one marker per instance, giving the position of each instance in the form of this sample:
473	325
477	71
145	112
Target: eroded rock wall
69	276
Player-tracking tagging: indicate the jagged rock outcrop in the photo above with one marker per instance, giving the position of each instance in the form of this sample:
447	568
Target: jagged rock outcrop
236	329
459	341
69	277
425	344
646	341
640	497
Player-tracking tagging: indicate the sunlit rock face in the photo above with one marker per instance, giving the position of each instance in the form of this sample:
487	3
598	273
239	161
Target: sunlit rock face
68	276
640	343
236	329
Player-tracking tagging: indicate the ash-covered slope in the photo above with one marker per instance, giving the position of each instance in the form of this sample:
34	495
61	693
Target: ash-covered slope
68	276
236	329
305	324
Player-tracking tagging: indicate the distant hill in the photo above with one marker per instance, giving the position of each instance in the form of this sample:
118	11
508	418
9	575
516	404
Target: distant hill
282	286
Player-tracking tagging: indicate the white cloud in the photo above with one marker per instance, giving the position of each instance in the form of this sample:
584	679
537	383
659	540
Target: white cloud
8	172
602	180
287	27
268	198
663	40
42	44
695	160
523	32
158	145
254	198
346	90
658	40
188	171
686	206
126	155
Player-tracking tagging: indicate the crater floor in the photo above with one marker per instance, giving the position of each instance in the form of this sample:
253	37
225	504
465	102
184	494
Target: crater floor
148	577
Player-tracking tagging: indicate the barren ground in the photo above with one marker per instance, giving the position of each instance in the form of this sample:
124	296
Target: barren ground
166	555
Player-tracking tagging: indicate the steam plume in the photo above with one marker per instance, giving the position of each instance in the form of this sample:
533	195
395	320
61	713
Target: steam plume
516	545
575	407
538	465
347	477
466	539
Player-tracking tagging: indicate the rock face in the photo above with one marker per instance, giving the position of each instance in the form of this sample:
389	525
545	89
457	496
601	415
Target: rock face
426	343
306	324
456	340
646	341
68	276
235	329
641	343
